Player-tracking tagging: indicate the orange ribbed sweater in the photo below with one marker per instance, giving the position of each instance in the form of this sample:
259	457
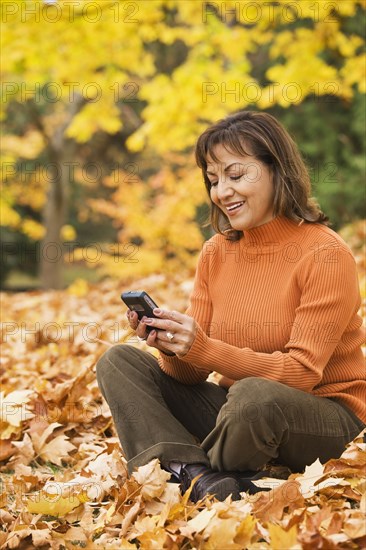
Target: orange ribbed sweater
281	303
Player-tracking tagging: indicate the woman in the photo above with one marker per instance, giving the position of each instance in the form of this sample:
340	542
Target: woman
273	311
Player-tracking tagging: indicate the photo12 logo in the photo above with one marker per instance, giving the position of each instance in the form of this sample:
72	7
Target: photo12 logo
251	92
52	11
250	13
52	92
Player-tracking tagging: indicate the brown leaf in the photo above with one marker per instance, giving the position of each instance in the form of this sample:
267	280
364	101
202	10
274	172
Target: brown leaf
5	517
129	517
355	526
6	449
271	505
25	450
57	449
41	537
69	402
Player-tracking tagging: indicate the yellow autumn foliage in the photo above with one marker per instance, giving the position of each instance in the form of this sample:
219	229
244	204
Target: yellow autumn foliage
8	216
33	229
119	58
68	233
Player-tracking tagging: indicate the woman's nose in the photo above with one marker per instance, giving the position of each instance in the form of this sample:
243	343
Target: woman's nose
224	188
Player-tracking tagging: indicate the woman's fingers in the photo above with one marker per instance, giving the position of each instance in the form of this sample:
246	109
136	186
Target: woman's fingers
174	333
132	319
138	327
174	316
165	320
155	339
170	331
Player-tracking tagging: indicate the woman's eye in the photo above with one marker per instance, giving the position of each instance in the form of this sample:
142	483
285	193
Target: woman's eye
232	178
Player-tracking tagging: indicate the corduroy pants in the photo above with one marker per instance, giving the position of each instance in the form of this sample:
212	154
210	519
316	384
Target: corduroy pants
240	429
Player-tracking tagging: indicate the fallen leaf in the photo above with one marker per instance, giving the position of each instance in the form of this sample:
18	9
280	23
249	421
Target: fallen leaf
41	537
6	449
309	478
198	523
25	450
13	407
69	405
281	539
152	479
271	505
355	526
129	517
44	503
54	451
5	517
245	531
221	534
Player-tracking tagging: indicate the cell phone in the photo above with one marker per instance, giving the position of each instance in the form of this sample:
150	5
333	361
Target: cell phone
141	302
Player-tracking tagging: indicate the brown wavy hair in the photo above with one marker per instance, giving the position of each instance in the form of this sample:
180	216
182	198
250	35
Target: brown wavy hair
262	136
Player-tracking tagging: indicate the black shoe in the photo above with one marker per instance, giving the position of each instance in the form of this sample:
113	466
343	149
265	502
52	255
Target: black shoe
173	479
246	481
220	484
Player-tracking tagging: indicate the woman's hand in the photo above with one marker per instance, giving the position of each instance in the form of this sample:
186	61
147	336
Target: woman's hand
176	335
136	325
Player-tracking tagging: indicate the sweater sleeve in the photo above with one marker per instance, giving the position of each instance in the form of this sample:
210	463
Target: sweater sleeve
200	308
329	300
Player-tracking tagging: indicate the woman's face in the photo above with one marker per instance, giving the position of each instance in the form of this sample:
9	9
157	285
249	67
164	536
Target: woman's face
241	187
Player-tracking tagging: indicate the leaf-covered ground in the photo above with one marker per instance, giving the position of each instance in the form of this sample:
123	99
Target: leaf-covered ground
64	482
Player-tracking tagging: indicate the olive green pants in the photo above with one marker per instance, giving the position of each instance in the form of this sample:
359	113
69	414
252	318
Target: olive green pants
243	428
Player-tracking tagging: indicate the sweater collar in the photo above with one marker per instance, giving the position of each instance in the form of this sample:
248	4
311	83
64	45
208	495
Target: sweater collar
278	230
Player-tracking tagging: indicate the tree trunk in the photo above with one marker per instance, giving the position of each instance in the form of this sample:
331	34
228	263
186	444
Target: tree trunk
54	215
61	156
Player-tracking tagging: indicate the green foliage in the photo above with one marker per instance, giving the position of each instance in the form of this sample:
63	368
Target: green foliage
332	140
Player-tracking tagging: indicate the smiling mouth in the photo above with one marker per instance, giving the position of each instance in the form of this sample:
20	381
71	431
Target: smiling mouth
234	206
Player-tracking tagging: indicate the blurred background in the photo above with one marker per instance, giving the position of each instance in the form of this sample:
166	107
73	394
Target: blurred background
102	102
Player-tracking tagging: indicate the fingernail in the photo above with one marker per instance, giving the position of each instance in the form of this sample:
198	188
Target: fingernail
148	321
153	332
157	311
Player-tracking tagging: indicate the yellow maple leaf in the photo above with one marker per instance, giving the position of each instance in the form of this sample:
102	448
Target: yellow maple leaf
245	531
8	431
283	539
44	503
221	534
